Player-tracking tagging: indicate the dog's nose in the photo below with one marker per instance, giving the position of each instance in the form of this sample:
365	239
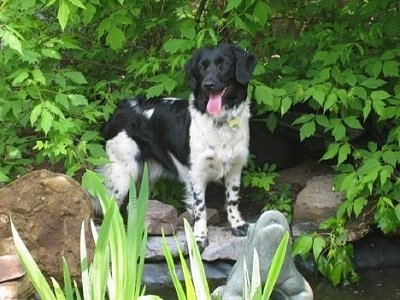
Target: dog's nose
209	85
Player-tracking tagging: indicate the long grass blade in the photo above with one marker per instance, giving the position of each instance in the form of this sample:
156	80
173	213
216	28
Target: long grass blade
84	265
196	265
99	270
57	290
35	275
69	294
172	270
255	288
276	266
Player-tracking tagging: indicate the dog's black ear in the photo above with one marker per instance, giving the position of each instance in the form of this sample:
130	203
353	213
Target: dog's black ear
190	68
245	63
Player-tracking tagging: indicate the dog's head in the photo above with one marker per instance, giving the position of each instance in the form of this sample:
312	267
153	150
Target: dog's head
218	77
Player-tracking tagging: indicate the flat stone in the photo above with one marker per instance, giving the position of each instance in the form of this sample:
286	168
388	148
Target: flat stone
10	268
222	244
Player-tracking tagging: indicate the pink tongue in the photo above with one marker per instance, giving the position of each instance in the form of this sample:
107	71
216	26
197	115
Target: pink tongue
214	104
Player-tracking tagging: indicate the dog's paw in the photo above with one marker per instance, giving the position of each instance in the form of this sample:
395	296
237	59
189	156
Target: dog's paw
202	244
240	230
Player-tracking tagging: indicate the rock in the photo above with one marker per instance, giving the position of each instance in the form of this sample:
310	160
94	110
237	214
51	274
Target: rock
17	289
160	217
154	246
264	237
10	267
13	283
47	210
223	245
314	203
317	201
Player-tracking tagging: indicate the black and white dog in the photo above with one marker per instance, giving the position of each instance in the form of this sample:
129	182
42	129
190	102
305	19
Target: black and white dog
196	141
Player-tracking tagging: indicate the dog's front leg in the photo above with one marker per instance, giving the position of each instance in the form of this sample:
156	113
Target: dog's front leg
198	190
232	184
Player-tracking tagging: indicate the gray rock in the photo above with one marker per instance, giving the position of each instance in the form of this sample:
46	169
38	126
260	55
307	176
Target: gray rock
317	201
154	246
222	244
265	236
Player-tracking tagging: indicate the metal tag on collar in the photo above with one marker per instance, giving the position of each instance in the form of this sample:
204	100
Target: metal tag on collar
234	123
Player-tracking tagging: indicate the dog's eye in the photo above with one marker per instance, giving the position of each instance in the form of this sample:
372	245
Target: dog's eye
223	64
202	65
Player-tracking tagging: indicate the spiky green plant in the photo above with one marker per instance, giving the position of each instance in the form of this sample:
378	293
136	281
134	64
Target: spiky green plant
116	269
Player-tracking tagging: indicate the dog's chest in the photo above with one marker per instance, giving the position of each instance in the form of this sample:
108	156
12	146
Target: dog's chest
216	148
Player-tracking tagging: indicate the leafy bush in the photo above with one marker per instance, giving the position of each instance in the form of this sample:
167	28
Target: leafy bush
66	63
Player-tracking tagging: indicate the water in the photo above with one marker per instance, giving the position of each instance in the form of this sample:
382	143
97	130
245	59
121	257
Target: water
374	285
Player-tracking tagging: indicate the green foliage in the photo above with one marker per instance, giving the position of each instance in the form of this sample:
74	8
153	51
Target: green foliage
280	199
260	180
66	63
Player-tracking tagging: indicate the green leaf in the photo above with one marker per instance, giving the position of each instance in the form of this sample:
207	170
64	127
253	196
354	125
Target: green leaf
360	92
330	100
38	76
379	107
77	3
76	77
46	121
285	105
352	122
391	68
358	205
373	83
318	245
323	121
21	75
35	113
367	109
155	90
397	211
343	152
307	130
302	246
63	14
339	131
263	95
319	95
303	119
77	100
12	41
380	95
188	29
232	4
178	45
51	53
261	12
115	38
